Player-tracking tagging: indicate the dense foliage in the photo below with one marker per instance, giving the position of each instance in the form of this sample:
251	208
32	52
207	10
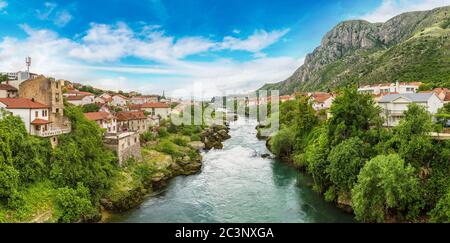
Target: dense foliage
386	187
397	174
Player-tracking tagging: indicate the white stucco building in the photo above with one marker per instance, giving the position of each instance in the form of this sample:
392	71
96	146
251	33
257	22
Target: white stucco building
401	88
394	105
119	100
157	109
80	100
34	115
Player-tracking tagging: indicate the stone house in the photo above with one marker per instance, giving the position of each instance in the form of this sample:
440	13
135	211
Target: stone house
126	145
49	92
135	121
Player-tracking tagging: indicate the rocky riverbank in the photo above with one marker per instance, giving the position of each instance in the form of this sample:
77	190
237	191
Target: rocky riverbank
213	136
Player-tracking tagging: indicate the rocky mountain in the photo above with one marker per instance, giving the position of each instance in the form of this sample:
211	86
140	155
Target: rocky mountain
413	46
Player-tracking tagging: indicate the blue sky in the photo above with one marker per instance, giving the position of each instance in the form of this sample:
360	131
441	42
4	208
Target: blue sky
155	45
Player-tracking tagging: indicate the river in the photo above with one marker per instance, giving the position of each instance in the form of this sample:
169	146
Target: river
237	185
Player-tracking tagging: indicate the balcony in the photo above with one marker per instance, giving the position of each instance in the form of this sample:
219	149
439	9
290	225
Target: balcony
53	132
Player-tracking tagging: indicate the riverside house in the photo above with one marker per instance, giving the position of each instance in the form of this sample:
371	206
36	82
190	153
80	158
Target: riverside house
394	105
34	115
125	144
47	91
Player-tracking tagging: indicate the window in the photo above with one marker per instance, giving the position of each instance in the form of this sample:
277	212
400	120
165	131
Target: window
36	114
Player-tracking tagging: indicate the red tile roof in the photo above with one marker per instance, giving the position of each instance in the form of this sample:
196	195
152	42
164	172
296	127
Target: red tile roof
85	93
7	87
130	115
40	122
155	105
22	103
75	97
321	97
121	96
95	116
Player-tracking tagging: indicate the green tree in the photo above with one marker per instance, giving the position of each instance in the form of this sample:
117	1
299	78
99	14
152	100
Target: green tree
3	78
412	134
441	213
74	204
346	161
9	181
386	187
316	156
352	114
90	108
81	157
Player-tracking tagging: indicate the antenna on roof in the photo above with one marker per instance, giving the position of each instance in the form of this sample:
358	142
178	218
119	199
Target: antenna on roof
28	63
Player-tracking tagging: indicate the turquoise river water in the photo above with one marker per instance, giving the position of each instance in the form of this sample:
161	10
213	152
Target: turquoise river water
237	185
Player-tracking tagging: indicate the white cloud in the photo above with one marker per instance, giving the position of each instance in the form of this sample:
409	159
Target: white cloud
236	31
44	14
51	12
391	8
260	40
3	4
63	18
89	59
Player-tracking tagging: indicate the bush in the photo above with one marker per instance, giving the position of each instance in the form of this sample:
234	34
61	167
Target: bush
386	187
282	144
195	138
441	213
74	204
147	136
166	146
9	181
162	132
180	140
